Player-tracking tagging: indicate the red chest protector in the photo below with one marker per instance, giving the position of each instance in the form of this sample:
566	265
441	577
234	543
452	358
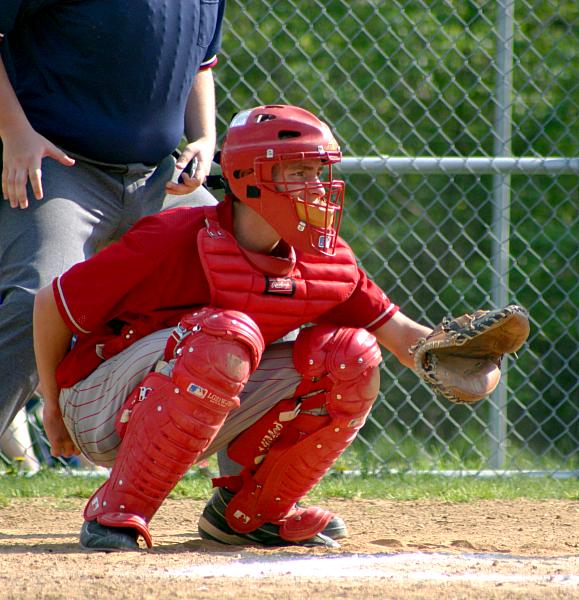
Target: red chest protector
279	294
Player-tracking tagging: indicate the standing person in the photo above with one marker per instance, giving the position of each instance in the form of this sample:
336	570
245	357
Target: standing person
94	98
150	399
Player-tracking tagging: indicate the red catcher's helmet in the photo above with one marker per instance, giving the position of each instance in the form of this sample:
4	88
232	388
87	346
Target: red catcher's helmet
262	138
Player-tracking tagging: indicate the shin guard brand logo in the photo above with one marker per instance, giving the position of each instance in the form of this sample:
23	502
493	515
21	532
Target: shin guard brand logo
95	504
197	390
269	438
219	400
205	394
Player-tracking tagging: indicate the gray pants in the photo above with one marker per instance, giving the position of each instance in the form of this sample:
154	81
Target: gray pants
90	407
84	208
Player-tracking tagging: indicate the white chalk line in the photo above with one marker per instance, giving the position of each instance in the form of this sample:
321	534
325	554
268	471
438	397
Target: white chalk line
399	567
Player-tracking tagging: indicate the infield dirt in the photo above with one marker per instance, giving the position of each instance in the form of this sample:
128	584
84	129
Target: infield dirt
515	549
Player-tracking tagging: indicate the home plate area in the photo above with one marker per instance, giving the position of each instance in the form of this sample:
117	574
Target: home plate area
417	566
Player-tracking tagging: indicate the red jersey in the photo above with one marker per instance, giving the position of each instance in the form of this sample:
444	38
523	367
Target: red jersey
153	276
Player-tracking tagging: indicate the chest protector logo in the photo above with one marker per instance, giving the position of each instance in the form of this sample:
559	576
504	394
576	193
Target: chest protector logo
280	286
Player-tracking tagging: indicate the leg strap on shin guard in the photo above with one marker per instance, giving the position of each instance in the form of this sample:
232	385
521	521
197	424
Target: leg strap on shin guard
284	460
168	421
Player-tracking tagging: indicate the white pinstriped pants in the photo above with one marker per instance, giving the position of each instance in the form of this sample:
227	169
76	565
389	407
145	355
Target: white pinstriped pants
90	407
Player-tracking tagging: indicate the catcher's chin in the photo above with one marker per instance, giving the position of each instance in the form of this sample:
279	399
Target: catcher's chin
478	378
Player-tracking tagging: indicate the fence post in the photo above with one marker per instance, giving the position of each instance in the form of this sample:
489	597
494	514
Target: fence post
501	215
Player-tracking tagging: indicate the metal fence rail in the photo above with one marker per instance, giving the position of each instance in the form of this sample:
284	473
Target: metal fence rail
458	121
428	165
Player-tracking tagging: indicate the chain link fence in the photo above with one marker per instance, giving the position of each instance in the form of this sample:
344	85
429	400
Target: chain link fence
459	124
458	121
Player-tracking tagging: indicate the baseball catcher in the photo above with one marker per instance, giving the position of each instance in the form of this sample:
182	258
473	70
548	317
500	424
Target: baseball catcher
245	329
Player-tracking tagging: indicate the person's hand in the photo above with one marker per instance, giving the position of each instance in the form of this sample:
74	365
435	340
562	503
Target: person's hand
22	159
200	155
61	443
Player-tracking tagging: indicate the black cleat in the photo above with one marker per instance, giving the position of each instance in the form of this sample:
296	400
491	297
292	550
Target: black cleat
213	526
94	536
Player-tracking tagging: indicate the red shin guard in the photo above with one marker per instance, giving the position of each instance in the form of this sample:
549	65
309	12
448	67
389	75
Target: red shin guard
285	453
173	419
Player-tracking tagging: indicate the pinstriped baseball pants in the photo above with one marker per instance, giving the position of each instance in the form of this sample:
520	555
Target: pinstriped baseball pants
90	407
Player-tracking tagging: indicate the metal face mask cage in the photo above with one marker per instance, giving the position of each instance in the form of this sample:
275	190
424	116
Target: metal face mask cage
313	209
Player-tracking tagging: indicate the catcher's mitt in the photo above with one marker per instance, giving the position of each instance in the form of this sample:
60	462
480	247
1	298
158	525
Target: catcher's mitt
461	358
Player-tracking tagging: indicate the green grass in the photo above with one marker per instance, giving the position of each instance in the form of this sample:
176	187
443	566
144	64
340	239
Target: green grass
390	487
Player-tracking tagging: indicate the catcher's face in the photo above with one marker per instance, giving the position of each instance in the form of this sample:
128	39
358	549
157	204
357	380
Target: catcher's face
302	181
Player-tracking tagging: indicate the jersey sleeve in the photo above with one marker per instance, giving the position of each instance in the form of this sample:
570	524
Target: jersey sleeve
368	307
87	294
214	46
93	292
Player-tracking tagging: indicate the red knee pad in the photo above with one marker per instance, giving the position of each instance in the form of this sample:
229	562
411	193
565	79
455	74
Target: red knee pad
216	355
345	356
213	352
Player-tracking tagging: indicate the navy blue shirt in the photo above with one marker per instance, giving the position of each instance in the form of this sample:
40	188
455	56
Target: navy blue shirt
108	80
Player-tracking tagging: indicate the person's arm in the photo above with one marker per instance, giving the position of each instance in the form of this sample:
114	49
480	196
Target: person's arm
52	339
23	148
398	334
201	133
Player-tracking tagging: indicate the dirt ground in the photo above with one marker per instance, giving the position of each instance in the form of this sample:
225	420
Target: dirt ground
426	549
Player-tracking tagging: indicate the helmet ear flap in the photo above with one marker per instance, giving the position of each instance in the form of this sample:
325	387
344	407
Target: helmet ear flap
251	190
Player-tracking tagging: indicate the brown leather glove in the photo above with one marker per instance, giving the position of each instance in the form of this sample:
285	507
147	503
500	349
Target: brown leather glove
461	358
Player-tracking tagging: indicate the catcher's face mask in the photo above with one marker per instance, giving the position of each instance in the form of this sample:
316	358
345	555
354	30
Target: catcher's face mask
278	160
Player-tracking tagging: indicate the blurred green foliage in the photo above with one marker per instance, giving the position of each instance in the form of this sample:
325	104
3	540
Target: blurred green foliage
413	78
